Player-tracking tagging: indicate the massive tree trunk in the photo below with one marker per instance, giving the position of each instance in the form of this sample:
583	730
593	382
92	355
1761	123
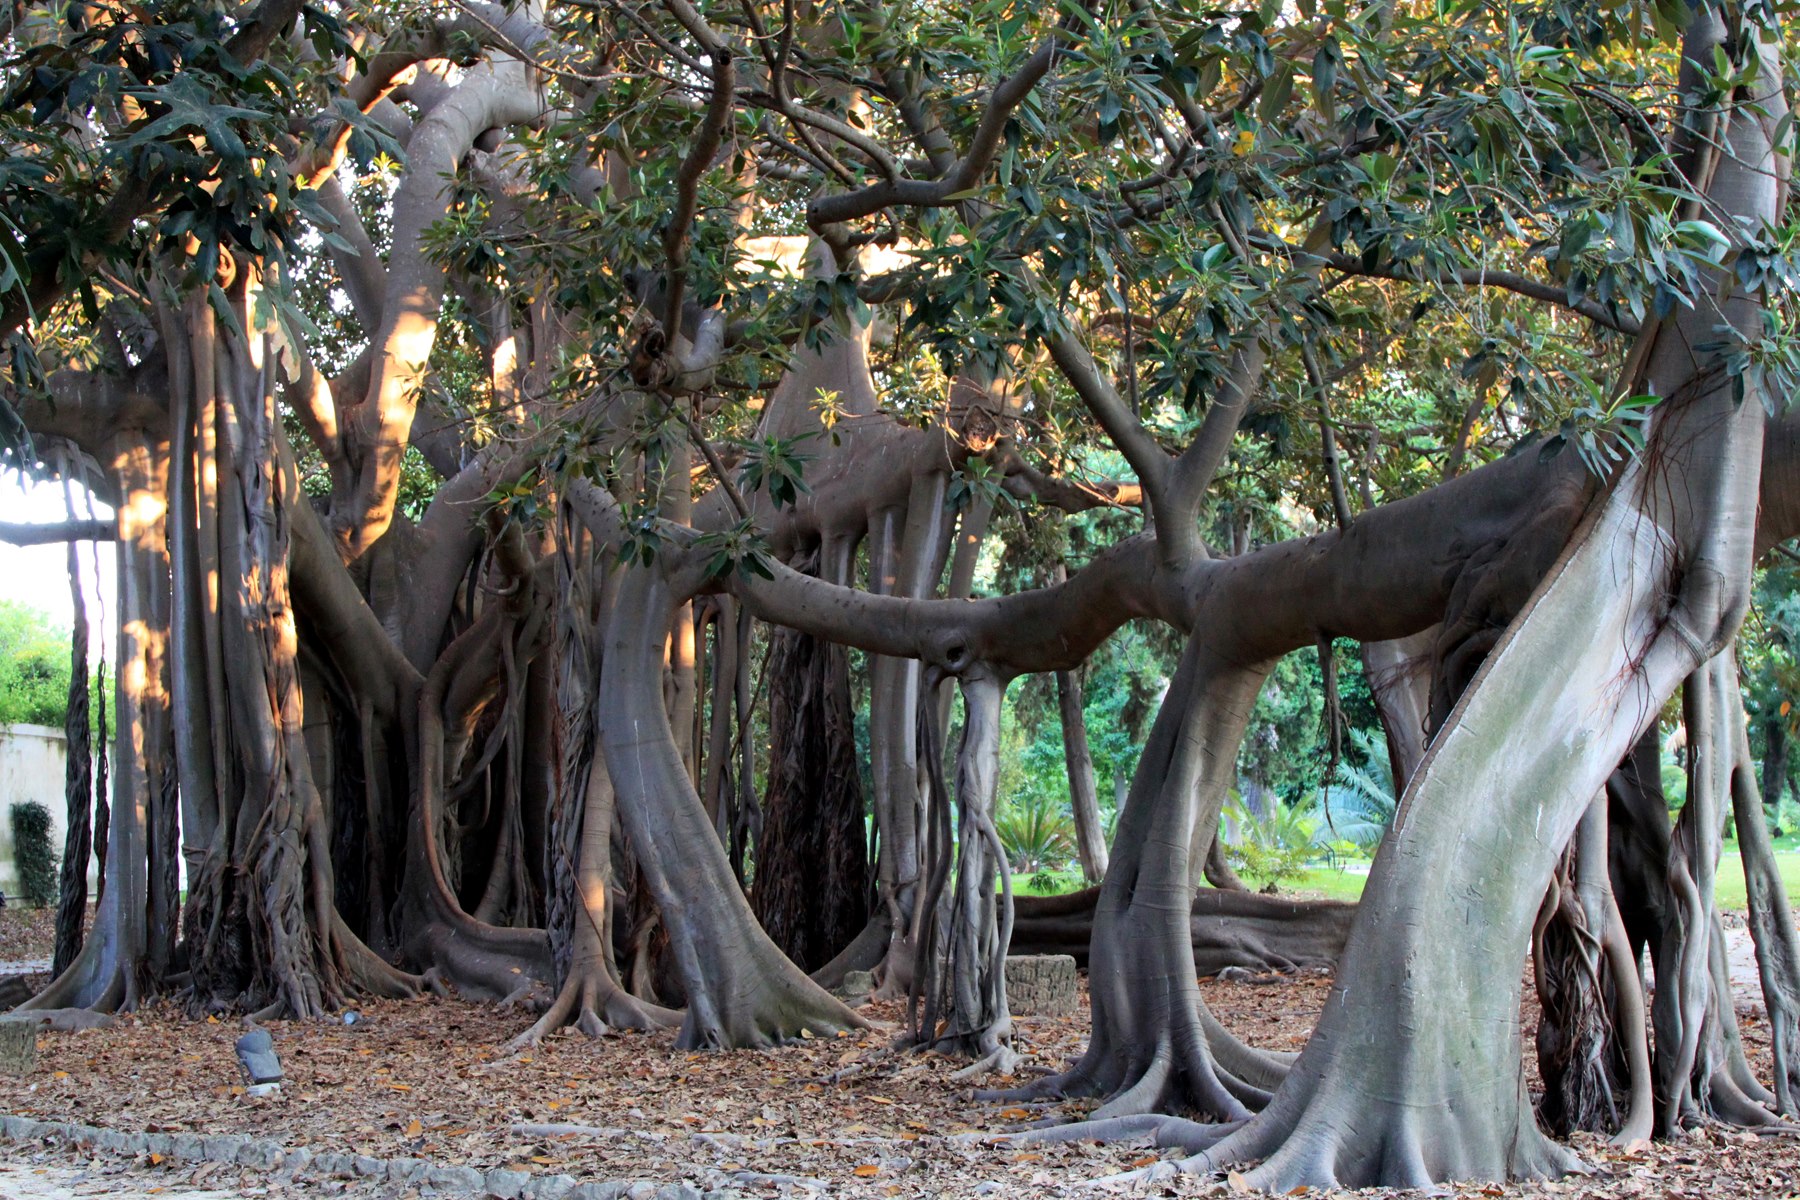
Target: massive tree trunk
812	857
1150	1049
264	932
1414	1074
741	991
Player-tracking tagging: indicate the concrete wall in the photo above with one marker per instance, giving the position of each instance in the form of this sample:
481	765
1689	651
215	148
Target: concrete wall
32	761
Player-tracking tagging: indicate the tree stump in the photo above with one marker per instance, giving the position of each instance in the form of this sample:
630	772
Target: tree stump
18	1047
856	986
1041	985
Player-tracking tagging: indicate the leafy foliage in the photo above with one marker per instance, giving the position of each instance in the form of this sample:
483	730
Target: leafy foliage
33	856
1359	806
1271	847
34	667
1036	835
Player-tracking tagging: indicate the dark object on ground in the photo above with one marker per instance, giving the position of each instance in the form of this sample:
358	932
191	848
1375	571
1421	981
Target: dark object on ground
256	1053
1228	928
18	1047
1041	985
14	991
32	853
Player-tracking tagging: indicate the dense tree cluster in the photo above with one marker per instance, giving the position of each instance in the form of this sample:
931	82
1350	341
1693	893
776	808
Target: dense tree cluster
539	433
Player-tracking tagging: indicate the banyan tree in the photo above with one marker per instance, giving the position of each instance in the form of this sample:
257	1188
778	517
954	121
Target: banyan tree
540	434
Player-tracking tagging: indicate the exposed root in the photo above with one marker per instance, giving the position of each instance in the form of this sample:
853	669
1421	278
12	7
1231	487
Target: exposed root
1340	1138
1001	1060
1160	1129
591	1002
63	1020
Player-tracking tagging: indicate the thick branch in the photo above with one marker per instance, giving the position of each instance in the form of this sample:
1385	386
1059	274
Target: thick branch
20	533
936	193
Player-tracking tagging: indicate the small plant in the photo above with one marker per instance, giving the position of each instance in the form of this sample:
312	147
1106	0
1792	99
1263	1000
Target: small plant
33	856
1273	848
1360	805
1036	834
1043	883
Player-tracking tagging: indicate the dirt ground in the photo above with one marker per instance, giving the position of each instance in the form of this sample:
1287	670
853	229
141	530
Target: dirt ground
27	939
54	1178
845	1116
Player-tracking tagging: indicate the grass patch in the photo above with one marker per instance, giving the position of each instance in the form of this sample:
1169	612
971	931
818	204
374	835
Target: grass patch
1332	883
1730	881
1327	883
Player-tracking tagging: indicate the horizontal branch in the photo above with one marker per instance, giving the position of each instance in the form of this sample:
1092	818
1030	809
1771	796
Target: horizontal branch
19	533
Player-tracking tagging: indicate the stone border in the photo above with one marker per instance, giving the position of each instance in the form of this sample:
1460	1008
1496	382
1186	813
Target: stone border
266	1154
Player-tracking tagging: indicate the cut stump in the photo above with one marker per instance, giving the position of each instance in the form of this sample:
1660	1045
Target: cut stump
1041	985
18	1047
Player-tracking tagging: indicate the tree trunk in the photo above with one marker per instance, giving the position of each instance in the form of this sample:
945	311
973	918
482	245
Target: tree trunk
1227	928
1414	1074
1771	920
962	955
108	974
1152	1048
1399	675
1084	800
78	784
812	858
1775	761
741	991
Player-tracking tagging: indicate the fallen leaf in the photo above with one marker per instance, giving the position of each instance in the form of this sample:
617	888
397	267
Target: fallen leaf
414	1128
867	1170
1238	1183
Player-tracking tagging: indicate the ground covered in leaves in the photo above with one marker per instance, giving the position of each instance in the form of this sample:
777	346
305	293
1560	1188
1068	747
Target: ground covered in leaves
851	1116
27	935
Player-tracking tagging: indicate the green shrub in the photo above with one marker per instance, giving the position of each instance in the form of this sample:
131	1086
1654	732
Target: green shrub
1272	848
32	854
1036	834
